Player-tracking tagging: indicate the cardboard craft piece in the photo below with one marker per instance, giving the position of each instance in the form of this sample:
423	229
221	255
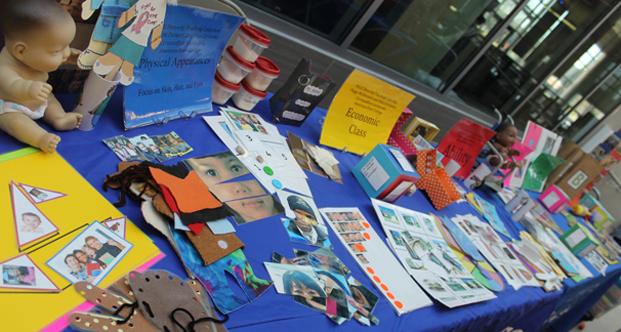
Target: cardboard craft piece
31	224
118	226
584	171
385	173
40	195
579	240
22	273
570	152
213	247
540	140
553	199
434	181
463	143
420	127
214	279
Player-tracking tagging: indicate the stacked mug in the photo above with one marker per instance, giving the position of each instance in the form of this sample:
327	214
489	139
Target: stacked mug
242	73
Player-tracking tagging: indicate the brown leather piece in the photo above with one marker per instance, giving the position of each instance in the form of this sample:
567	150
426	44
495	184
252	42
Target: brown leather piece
213	247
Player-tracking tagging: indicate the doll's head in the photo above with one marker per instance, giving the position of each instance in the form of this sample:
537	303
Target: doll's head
37	33
506	134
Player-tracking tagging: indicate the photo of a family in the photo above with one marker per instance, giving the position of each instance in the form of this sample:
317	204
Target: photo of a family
18	275
91	255
246	121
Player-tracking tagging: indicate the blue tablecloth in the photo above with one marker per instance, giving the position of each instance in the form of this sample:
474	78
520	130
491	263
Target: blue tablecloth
527	308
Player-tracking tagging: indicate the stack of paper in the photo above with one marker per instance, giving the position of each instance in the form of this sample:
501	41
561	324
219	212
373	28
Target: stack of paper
261	148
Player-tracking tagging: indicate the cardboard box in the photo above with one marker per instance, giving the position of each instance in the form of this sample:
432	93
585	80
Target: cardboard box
579	240
571	153
583	172
420	127
554	199
385	173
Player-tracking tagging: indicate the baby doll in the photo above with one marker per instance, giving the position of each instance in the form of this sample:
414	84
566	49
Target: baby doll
506	134
37	34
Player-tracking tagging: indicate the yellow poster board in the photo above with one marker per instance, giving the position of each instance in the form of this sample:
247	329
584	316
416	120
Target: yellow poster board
363	113
32	311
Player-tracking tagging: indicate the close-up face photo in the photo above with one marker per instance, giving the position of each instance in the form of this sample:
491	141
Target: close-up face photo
218	168
251	209
237	190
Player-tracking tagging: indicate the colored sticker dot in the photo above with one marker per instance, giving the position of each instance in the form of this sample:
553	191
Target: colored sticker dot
367	236
398	304
366	225
377	279
269	171
277	184
390	295
370	270
360	247
384	287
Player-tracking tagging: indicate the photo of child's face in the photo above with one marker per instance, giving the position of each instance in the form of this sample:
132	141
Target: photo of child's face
237	190
73	263
218	168
31	221
252	209
18	275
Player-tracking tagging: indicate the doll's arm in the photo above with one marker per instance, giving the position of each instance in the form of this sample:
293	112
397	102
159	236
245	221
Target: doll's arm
20	89
156	36
127	16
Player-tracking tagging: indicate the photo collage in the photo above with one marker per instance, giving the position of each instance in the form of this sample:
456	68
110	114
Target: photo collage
419	244
246	199
143	147
321	281
370	252
502	258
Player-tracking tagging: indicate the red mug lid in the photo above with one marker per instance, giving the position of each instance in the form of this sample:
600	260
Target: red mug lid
256	34
239	59
253	91
266	65
225	83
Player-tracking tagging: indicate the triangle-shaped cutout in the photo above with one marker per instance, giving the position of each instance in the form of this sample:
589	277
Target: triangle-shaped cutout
117	226
40	195
22	273
31	225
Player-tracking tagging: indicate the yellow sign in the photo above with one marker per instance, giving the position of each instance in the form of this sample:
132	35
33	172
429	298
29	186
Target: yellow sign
363	113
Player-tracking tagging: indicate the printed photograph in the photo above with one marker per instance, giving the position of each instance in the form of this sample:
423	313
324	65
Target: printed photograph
364	302
353	237
362	259
246	121
389	215
237	190
123	148
145	146
357	248
38	195
91	255
302	232
301	282
31	224
217	168
18	275
253	209
396	236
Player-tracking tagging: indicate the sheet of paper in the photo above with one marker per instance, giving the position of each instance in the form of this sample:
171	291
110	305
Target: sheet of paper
222	226
495	251
363	113
375	259
420	246
491	215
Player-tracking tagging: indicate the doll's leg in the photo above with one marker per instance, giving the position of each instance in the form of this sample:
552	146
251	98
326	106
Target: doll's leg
28	131
93	52
57	118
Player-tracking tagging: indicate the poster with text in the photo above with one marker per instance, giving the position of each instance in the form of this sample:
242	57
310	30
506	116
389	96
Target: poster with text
174	81
363	113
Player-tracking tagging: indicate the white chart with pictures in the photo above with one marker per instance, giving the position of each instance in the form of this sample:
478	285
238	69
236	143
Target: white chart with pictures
502	258
415	239
370	252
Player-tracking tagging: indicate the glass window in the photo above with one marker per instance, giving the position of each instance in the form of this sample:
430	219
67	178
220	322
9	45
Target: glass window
430	40
332	19
535	41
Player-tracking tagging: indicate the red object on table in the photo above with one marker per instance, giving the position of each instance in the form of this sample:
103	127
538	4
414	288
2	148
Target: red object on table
463	143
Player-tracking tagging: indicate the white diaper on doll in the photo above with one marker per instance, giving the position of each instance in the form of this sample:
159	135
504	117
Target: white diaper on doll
10	107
